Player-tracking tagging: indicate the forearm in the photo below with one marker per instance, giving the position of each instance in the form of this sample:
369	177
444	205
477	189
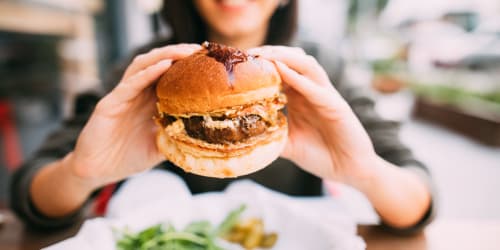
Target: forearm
57	192
399	195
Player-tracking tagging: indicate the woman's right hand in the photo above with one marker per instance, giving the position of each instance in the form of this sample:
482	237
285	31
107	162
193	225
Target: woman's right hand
119	138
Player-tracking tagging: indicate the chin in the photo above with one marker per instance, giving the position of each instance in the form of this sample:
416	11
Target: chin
220	113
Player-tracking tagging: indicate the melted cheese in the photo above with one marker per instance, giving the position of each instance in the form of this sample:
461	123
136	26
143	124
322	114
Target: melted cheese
275	103
228	123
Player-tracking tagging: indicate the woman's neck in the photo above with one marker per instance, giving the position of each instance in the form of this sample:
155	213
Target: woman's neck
243	42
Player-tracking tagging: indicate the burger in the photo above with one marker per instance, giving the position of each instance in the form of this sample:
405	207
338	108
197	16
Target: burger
220	112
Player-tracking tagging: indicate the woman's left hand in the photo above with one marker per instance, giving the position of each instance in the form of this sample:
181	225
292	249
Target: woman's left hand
325	136
327	139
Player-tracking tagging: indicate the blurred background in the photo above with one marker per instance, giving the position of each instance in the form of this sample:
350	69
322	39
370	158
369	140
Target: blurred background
432	64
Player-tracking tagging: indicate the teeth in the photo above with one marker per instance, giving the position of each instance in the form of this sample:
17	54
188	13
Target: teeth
234	2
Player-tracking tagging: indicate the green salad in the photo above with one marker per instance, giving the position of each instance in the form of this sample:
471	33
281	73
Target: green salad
198	235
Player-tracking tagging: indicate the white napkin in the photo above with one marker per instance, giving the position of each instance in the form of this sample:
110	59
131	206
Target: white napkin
161	197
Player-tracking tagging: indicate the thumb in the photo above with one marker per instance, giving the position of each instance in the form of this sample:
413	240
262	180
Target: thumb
288	149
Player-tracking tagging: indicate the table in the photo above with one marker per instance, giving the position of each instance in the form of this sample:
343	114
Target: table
484	235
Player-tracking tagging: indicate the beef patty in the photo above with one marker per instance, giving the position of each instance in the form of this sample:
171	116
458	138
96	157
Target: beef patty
222	129
240	128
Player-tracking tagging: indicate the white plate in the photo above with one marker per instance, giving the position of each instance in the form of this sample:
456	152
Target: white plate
160	197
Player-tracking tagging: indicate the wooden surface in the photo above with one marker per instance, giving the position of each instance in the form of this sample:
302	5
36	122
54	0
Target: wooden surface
57	18
17	17
14	236
453	235
481	127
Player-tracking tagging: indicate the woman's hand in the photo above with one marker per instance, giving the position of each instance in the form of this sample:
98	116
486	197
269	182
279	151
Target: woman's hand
119	138
117	141
325	137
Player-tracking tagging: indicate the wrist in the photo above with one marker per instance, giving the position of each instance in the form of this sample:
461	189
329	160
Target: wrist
399	196
374	171
56	192
68	168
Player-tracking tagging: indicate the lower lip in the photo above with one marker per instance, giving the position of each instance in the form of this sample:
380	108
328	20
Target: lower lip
232	7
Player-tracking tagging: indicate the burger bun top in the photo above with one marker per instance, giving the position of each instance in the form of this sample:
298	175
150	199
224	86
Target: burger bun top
201	84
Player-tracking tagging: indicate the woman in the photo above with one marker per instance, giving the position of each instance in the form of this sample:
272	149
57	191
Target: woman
332	135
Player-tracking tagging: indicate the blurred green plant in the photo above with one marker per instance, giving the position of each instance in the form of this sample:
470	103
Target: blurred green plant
355	7
384	66
453	95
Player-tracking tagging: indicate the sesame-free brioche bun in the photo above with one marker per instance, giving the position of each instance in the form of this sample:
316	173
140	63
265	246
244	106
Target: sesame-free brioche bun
201	84
218	110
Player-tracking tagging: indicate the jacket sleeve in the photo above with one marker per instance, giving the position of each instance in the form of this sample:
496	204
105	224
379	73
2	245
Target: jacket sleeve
384	135
56	146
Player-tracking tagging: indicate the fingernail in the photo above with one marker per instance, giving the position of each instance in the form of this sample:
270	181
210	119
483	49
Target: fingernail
279	64
254	51
166	62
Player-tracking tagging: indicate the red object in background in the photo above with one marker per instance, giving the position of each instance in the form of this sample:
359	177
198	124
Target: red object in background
13	156
102	200
10	139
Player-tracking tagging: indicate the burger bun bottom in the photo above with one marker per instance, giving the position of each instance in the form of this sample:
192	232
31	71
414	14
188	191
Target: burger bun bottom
201	161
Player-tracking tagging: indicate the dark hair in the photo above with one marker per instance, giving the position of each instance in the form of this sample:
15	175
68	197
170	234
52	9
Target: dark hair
187	26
